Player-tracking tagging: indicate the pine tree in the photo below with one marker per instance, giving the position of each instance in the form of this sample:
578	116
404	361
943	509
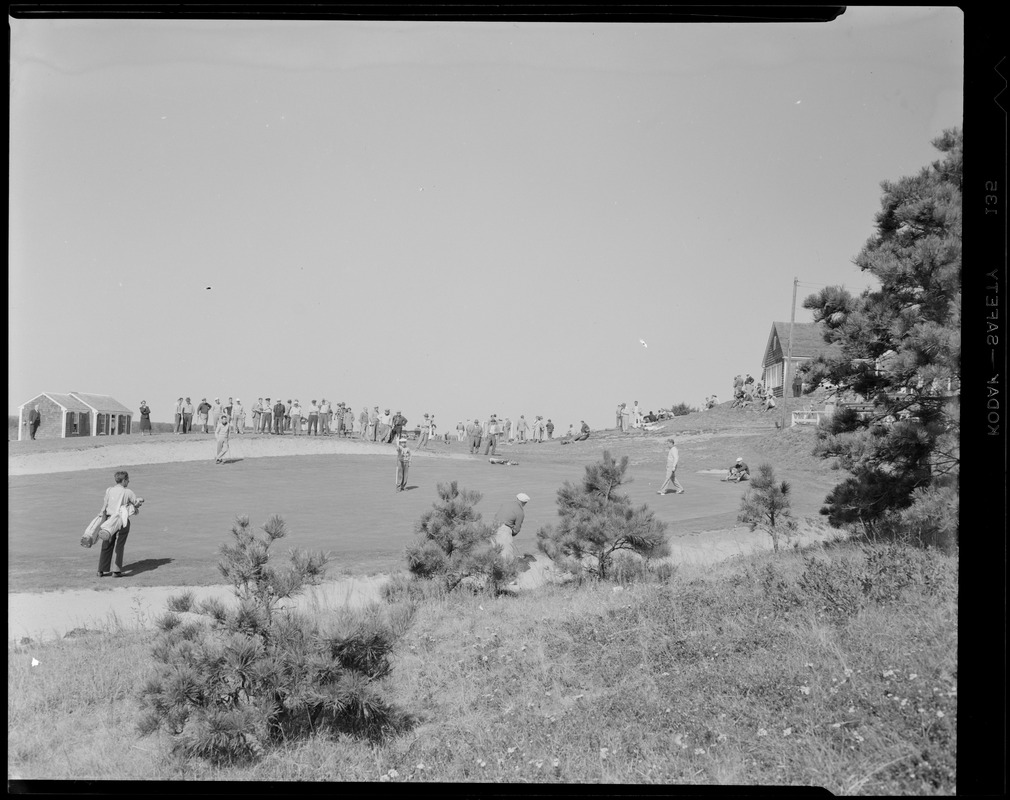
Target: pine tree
900	349
596	521
454	543
766	505
234	682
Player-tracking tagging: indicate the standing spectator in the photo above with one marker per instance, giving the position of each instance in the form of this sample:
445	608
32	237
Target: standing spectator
522	427
492	437
625	418
187	416
35	419
115	498
620	409
296	417
287	415
238	417
538	430
324	417
313	419
385	426
348	421
507	429
279	410
373	424
672	460
363	422
145	418
267	417
422	438
203	414
221	434
398	421
215	412
178	416
550	428
460	431
402	464
636	415
257	413
229	407
474	430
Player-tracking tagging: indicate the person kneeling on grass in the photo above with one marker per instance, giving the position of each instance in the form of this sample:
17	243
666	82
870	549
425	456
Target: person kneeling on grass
738	472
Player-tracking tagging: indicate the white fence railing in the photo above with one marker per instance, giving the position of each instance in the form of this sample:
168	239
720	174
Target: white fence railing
808	417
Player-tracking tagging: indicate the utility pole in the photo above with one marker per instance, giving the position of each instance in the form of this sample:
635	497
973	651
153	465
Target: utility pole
789	359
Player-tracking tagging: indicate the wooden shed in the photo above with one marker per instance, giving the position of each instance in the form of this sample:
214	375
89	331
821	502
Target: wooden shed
808	343
62	415
109	417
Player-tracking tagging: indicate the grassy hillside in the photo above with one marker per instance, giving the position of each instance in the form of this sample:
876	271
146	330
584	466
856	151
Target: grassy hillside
833	668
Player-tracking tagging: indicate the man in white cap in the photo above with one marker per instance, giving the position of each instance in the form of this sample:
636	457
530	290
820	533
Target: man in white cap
402	464
672	459
738	472
511	524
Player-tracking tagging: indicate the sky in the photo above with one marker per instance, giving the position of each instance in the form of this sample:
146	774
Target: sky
457	218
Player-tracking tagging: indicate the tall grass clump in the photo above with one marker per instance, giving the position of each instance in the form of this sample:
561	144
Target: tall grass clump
229	684
454	544
596	521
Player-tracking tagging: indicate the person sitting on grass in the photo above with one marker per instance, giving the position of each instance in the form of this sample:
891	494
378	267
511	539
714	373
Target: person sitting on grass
583	435
738	472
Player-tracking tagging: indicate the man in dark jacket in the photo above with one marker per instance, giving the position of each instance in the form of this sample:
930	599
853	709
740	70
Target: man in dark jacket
398	422
34	420
279	418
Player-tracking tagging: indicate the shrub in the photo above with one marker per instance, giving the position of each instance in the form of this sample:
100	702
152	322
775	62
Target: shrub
596	521
931	520
244	679
454	543
766	505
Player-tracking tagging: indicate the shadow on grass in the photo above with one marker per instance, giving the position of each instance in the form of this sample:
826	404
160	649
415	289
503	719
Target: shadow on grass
230	460
146	565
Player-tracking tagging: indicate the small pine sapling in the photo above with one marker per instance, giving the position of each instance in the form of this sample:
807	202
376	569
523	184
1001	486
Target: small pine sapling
454	543
596	521
766	505
236	681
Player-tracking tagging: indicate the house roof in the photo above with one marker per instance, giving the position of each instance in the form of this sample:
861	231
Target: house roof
808	341
64	400
102	403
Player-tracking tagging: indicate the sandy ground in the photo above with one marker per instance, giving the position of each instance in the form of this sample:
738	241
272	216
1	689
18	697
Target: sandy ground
167	449
38	615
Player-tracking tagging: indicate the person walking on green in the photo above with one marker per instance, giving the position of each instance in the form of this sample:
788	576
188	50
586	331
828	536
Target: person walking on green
672	460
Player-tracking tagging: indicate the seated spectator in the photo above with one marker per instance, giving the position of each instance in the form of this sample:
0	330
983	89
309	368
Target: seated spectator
583	434
769	400
738	472
650	417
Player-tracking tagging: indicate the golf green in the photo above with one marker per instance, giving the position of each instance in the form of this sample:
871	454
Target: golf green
344	504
